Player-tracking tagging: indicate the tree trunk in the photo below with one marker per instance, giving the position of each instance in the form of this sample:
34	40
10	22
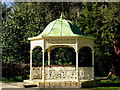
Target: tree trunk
115	67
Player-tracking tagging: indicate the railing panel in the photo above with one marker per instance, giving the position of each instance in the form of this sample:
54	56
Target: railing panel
60	73
63	73
86	73
36	72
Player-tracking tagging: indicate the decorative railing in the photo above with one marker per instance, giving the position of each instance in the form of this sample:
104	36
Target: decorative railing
66	73
86	73
36	73
60	73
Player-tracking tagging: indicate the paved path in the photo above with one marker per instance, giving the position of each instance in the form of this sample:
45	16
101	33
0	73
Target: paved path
11	85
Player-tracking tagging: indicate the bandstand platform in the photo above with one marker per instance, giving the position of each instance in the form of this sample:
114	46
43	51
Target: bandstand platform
62	84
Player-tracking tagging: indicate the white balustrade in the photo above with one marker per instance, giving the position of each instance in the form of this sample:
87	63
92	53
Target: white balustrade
36	73
85	73
63	73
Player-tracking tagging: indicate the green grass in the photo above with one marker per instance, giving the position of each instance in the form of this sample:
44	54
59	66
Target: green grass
106	88
110	81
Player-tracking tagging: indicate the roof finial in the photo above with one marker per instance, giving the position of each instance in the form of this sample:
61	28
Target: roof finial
61	15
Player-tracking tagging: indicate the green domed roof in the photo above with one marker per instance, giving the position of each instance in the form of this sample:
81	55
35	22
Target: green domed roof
61	27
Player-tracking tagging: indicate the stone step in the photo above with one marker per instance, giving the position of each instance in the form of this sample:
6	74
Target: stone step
29	85
59	85
82	84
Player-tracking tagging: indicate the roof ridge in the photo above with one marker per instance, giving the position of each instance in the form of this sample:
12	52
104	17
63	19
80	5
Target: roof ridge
69	26
61	28
52	26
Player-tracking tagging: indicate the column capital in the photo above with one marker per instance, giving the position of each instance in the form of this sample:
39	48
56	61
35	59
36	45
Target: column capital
76	50
49	50
93	51
43	50
30	51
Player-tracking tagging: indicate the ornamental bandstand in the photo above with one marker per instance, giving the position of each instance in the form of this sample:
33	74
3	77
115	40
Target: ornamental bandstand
61	33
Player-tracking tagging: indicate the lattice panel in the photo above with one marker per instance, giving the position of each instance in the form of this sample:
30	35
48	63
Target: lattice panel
60	73
55	42
60	45
86	73
60	41
36	72
63	73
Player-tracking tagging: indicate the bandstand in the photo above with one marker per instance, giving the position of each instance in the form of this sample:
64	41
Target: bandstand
61	33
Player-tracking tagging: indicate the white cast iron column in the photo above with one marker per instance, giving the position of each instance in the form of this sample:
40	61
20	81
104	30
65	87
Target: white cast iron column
43	70
93	62
48	56
43	61
30	65
76	60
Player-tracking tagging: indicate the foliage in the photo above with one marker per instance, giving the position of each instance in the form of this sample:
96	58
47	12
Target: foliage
23	20
60	56
37	56
101	20
85	57
14	79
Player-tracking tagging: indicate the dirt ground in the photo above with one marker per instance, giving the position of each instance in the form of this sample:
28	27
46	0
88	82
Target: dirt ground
11	85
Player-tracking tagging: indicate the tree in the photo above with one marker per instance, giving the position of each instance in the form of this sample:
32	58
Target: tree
101	20
110	30
26	20
23	20
116	57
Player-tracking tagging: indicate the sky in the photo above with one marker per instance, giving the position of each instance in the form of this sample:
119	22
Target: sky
8	2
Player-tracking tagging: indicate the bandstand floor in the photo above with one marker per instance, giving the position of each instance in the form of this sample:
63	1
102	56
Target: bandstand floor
63	84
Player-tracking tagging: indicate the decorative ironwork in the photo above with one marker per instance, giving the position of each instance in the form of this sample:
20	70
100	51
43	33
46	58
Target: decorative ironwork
63	73
36	72
85	73
60	73
59	42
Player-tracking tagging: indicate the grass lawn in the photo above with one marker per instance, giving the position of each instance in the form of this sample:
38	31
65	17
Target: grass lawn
106	88
108	85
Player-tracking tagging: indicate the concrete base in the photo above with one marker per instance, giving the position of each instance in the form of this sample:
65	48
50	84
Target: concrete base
55	84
